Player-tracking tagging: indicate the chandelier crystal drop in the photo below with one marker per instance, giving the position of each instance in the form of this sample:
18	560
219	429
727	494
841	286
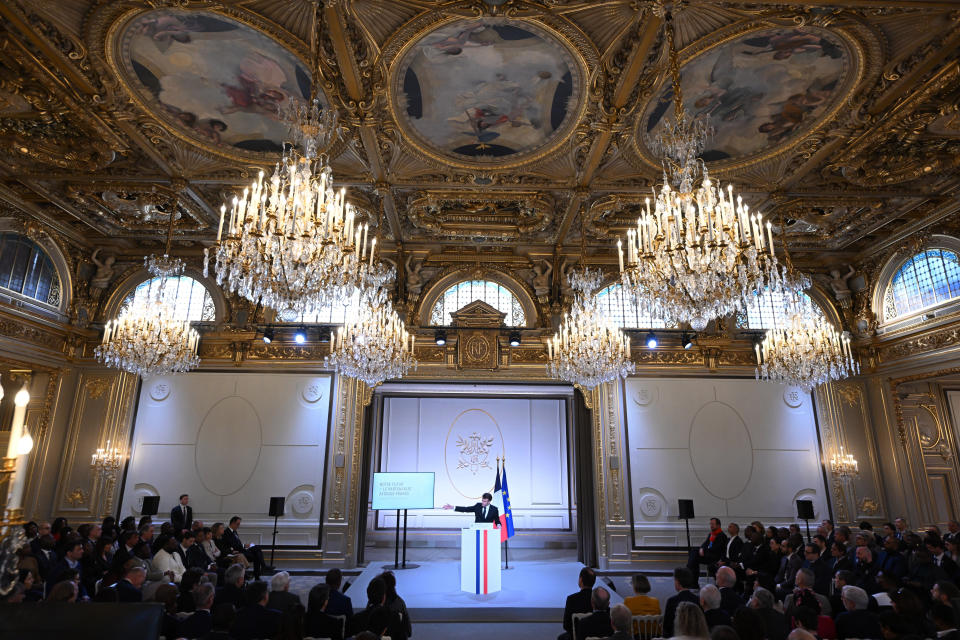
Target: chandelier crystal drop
147	339
588	349
699	253
372	345
804	349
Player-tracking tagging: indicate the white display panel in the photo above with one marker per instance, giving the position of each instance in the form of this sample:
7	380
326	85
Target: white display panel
232	441
400	490
460	438
742	450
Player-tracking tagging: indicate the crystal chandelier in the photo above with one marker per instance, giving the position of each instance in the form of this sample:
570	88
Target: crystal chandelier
699	253
147	339
372	345
106	461
292	242
803	349
588	349
844	465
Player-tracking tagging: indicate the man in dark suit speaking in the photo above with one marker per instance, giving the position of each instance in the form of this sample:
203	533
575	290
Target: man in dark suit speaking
483	511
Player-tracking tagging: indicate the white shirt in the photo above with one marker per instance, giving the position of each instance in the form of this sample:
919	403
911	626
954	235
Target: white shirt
730	542
165	561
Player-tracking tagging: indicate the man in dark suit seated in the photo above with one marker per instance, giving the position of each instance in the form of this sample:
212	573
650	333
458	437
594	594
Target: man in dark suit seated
578	602
181	516
45	555
890	561
775	624
730	600
945	621
69	563
483	511
200	622
196	556
710	603
251	552
338	604
129	587
377	618
255	620
597	624
621	619
683	582
280	597
734	549
125	545
318	622
710	551
856	621
232	590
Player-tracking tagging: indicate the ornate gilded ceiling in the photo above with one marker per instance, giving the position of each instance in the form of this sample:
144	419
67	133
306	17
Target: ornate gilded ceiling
474	132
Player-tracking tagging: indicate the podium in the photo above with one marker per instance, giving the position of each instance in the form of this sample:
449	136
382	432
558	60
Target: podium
480	559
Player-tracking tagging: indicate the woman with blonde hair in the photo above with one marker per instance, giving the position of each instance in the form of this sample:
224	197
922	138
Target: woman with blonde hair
690	624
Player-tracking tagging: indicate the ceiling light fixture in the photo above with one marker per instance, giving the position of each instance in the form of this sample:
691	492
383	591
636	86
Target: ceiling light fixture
440	337
300	337
291	241
146	338
268	335
686	340
698	253
588	349
651	340
514	338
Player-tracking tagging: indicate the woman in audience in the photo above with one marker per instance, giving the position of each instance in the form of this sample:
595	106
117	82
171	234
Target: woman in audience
690	622
191	578
65	591
641	604
396	604
31	592
57	528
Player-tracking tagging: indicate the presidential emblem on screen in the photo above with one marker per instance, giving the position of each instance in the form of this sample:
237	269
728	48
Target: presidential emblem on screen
474	452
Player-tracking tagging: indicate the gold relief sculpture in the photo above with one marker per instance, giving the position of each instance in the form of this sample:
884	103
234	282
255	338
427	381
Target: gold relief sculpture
868	506
98	386
76	498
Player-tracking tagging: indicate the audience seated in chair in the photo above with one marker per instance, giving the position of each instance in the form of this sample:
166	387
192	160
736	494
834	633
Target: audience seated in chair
255	620
690	623
621	621
597	623
200	622
280	597
376	617
710	600
710	552
318	623
684	583
578	602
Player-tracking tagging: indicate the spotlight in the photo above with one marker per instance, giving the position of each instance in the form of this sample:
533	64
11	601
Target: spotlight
268	335
651	340
514	338
686	340
300	337
440	337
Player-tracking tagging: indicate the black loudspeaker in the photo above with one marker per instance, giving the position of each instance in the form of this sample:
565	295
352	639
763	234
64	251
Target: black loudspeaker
685	509
276	507
151	504
805	509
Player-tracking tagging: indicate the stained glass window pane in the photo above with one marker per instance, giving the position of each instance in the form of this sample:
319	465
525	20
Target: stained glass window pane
929	278
623	312
188	297
26	269
463	293
767	310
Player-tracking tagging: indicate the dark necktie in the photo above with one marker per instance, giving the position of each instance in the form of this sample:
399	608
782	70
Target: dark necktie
484	513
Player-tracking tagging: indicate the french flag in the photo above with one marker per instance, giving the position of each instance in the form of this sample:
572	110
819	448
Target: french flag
501	500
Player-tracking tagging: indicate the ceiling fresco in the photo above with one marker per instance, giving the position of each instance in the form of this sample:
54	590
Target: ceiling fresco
486	90
758	91
211	78
509	136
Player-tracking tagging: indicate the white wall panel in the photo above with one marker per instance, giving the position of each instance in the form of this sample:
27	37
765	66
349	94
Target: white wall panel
233	440
459	440
742	450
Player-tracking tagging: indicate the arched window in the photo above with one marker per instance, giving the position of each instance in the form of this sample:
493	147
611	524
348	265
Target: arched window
463	293
621	310
767	311
927	279
329	314
189	298
26	269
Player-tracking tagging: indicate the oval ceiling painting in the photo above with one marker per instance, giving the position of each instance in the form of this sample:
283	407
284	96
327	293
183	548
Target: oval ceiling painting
487	91
758	91
214	79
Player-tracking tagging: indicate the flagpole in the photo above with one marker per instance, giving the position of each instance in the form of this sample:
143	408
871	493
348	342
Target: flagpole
506	543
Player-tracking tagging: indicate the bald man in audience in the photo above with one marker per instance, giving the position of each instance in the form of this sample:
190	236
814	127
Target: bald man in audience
730	600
